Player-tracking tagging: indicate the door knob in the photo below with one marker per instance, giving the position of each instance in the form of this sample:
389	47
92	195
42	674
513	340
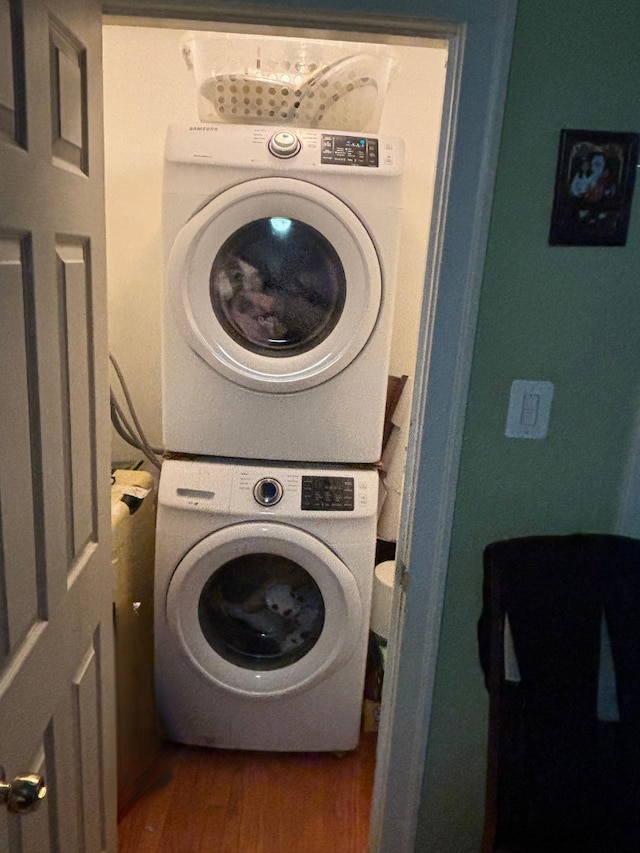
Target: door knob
23	794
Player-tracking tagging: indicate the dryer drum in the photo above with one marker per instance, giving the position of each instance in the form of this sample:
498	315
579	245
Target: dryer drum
269	268
278	287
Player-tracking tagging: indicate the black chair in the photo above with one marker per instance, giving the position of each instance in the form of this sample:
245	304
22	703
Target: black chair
560	779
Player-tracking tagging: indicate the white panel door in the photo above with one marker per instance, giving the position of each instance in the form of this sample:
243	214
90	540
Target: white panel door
56	657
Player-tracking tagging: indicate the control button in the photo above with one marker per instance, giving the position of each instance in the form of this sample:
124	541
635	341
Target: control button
267	491
284	144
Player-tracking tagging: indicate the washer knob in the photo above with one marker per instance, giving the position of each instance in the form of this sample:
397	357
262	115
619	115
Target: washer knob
267	491
284	144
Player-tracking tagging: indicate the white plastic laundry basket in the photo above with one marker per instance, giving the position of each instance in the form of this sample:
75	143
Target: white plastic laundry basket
285	81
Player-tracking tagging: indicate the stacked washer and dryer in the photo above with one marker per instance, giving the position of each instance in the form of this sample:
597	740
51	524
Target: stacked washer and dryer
281	252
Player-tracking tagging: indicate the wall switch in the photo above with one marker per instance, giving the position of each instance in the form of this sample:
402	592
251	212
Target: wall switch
529	409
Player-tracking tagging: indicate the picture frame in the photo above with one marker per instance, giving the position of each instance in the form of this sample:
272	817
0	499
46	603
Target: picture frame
594	184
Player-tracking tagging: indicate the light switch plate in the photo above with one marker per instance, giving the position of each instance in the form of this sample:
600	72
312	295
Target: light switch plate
529	409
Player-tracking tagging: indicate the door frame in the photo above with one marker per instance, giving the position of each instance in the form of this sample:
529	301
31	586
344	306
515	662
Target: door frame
479	34
628	522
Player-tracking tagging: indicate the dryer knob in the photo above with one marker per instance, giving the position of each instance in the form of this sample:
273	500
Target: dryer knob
284	144
267	491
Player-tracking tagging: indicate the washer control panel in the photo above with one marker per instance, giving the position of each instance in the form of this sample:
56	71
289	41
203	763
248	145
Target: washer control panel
267	491
327	493
322	495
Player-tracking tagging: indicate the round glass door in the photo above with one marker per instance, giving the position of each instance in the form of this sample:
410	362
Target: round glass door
261	611
278	287
264	609
275	283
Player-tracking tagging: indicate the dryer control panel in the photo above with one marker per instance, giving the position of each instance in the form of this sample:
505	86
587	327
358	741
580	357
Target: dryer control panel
335	149
349	150
285	151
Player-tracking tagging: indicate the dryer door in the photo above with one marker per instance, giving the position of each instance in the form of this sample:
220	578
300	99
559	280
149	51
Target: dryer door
276	283
264	609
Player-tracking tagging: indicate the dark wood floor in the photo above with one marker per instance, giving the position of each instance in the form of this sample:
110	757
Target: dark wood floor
222	801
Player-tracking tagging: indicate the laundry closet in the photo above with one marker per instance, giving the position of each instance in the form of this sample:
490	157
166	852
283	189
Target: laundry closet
280	259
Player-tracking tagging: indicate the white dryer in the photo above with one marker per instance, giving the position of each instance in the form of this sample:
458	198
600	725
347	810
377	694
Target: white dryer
281	253
263	589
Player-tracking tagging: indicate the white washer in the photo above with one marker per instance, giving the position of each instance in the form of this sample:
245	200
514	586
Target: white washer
281	253
263	591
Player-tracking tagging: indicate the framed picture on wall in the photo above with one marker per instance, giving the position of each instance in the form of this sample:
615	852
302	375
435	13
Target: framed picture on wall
594	184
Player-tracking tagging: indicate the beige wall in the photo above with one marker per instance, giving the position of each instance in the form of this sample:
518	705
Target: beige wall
148	86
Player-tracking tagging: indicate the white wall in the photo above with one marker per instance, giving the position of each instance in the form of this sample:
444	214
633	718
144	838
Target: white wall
148	86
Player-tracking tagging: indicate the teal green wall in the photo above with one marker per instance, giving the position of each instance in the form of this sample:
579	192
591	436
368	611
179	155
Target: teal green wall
569	315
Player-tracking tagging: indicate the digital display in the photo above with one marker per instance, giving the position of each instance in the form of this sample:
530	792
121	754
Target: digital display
327	493
349	150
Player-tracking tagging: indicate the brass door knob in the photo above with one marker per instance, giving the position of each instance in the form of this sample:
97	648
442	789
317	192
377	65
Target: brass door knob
23	794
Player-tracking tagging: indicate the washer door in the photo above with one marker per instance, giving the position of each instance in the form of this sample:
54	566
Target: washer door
276	284
264	609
